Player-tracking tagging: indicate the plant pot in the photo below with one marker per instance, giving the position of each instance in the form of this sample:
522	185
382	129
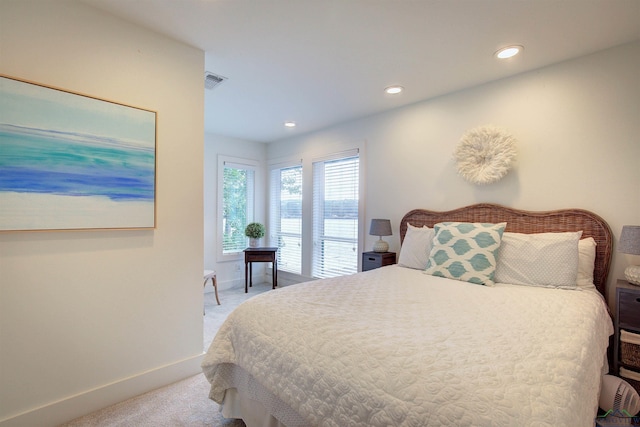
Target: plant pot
253	242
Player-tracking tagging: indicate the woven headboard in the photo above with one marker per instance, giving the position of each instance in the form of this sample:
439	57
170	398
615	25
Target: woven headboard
519	221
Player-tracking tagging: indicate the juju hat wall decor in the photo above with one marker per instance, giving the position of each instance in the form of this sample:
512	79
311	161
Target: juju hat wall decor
485	154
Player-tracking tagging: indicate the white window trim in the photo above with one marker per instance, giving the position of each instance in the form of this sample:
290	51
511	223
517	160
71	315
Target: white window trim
307	158
237	162
338	155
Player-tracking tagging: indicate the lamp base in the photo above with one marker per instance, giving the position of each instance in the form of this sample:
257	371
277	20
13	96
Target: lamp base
632	274
381	246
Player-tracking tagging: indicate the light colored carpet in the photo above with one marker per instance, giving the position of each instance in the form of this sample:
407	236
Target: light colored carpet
229	299
185	403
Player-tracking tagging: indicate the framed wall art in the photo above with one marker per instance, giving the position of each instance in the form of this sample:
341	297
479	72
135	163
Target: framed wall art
73	162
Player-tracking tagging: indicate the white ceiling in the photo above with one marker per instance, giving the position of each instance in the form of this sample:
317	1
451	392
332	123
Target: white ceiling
322	62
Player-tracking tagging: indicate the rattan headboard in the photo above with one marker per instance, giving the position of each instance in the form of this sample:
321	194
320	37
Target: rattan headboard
519	221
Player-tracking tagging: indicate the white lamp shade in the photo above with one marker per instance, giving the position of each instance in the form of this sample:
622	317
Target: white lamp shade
630	240
630	244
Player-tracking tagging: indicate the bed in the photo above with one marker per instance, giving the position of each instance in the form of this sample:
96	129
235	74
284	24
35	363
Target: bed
404	346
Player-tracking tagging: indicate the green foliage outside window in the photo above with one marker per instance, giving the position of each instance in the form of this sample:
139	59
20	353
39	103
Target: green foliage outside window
234	209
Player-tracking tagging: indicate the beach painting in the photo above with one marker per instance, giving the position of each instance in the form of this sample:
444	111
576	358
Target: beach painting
73	162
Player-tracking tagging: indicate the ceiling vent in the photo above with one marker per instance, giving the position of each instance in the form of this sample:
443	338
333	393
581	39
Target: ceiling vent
212	80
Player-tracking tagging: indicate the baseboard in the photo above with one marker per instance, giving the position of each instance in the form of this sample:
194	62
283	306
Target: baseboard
284	279
227	284
70	408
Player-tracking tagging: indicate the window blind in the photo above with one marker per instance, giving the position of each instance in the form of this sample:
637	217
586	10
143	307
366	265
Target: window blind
335	216
285	217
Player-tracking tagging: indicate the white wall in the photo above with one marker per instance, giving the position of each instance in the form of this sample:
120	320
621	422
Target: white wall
578	127
230	273
89	318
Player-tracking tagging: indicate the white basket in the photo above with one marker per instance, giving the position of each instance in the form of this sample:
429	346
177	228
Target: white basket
632	377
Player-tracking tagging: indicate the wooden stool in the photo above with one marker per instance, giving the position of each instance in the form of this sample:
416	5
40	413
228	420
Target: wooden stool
210	274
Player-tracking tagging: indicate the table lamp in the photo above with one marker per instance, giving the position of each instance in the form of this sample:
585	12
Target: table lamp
380	227
630	244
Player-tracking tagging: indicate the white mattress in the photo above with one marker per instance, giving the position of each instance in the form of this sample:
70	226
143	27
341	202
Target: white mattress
394	346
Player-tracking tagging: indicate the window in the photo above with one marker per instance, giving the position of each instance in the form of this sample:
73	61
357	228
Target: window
285	224
236	199
335	216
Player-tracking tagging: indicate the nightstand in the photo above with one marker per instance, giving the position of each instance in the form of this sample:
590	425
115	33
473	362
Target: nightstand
371	260
252	255
627	317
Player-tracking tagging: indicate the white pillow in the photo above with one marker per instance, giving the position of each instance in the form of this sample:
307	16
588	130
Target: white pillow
540	259
416	246
586	262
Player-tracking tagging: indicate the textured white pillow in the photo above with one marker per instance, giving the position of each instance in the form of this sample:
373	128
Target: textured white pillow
416	246
586	262
540	259
465	251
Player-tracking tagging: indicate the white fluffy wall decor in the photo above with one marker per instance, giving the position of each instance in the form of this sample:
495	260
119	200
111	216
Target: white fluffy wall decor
485	154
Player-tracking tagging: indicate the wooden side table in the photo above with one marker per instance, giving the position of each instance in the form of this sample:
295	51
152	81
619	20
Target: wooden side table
252	255
371	260
627	317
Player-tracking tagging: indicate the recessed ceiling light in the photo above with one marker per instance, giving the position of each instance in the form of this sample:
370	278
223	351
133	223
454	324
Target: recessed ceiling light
392	90
508	51
290	124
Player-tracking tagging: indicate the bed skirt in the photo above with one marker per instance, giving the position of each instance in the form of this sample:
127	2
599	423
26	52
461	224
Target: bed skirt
246	399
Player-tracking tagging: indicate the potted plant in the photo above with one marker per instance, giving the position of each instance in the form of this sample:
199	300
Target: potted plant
254	232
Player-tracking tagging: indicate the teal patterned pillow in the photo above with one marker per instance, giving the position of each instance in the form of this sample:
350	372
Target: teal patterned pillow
465	251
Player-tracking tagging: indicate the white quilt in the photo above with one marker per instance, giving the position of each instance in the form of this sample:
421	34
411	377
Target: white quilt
396	347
